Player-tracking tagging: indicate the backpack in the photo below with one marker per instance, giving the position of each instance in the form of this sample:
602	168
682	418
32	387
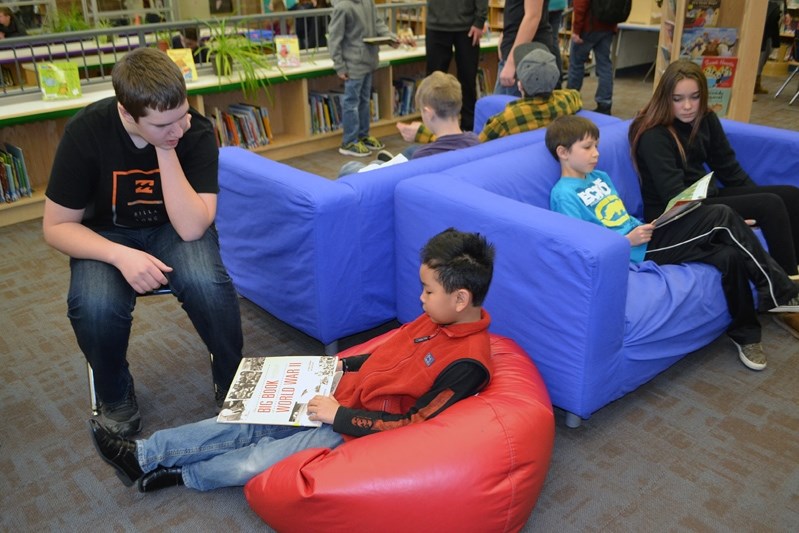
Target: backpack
611	11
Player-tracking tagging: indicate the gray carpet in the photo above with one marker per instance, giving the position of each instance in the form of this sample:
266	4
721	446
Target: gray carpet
706	446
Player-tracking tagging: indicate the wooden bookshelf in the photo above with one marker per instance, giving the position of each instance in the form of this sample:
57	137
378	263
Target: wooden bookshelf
748	18
496	15
36	126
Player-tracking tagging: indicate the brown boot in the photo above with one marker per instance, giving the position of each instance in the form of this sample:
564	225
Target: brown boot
759	89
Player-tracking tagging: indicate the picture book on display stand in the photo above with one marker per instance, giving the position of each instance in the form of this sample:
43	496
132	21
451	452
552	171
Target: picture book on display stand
719	71
702	13
700	42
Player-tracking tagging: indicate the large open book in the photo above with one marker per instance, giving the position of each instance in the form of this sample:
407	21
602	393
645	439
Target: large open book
685	202
276	390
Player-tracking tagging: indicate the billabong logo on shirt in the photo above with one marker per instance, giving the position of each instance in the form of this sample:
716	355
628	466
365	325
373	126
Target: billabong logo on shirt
429	359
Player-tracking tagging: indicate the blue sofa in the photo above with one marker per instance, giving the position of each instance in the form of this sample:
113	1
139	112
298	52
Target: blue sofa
318	253
596	326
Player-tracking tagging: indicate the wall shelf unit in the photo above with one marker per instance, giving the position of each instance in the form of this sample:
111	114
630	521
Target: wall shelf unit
36	126
747	18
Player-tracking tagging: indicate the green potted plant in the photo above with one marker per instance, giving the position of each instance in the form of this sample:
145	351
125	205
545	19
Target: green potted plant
229	47
163	40
68	20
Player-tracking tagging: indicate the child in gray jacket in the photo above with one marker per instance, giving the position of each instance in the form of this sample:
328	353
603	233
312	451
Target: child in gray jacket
352	24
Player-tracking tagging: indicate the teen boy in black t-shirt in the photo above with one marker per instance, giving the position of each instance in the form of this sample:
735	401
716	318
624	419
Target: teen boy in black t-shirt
131	200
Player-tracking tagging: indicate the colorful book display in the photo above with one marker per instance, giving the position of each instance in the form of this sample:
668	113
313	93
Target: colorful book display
702	13
14	180
244	125
287	48
184	59
719	71
59	80
700	42
718	100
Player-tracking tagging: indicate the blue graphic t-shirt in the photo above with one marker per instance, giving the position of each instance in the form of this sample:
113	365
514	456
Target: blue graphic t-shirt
594	199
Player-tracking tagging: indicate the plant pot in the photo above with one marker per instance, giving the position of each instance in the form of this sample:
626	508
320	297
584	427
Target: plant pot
221	68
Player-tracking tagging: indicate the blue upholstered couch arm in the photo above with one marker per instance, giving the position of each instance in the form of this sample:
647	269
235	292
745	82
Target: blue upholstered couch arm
559	286
283	235
769	155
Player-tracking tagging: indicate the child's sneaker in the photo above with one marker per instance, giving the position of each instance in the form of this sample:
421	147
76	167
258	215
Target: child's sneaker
751	355
357	149
372	143
385	156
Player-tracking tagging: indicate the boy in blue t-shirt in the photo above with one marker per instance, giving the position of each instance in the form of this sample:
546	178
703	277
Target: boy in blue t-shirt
711	234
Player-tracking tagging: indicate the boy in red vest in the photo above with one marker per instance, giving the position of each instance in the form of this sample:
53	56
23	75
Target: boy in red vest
423	368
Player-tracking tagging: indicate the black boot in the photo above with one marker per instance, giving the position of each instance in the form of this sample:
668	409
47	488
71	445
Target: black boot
116	451
160	478
602	108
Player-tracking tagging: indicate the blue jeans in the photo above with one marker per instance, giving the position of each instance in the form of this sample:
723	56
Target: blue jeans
213	455
355	109
101	302
600	42
501	89
555	20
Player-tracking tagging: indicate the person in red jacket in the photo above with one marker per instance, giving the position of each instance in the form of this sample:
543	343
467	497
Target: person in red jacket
422	369
588	34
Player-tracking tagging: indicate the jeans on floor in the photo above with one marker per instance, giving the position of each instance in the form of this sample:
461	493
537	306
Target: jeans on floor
355	109
213	455
101	302
600	42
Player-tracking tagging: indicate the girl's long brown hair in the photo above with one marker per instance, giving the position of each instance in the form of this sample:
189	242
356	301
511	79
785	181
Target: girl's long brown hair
660	111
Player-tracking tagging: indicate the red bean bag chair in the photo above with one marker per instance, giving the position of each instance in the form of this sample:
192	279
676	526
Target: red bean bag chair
478	466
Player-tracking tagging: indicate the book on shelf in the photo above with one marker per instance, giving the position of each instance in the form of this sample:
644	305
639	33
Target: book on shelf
14	179
701	13
242	124
718	100
276	390
287	48
59	80
700	42
404	94
685	202
5	188
184	59
665	51
374	106
483	84
719	71
668	28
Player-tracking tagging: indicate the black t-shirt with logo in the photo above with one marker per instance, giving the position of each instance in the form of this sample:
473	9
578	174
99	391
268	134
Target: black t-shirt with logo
98	168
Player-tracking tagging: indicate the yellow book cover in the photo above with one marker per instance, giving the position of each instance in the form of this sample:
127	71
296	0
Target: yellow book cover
184	59
287	48
59	80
